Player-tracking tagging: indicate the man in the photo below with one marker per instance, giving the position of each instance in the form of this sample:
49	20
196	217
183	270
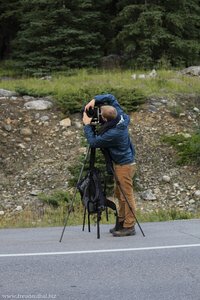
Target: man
114	136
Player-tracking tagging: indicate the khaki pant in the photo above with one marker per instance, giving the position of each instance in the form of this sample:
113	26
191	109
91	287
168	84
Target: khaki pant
125	175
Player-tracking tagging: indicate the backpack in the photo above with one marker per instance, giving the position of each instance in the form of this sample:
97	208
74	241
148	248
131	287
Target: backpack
93	198
91	191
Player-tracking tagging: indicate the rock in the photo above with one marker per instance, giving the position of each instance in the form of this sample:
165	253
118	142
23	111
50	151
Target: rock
6	93
27	139
2	212
166	178
195	109
152	108
38	104
21	146
44	118
28	98
197	194
141	76
176	186
152	74
193	70
19	208
49	78
148	195
164	101
65	122
34	193
186	135
192	201
78	125
7	127
26	131
133	76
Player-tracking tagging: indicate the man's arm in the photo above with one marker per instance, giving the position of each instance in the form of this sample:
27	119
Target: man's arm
108	99
97	141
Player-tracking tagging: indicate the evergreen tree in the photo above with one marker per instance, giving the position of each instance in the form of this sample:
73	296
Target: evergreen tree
9	23
182	20
151	30
58	34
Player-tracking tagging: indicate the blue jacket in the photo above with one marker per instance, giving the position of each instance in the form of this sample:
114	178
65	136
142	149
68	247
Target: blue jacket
116	139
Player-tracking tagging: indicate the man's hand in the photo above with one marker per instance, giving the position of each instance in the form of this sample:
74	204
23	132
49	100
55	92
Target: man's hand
86	119
90	104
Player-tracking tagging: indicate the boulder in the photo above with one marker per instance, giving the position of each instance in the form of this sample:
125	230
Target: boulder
193	70
65	122
6	93
39	104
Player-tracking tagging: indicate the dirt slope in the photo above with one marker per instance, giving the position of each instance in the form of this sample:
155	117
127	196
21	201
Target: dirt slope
36	151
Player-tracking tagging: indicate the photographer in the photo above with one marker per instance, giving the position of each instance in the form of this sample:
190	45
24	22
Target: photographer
114	136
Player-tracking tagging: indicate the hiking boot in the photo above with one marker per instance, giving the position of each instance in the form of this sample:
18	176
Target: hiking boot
118	227
125	232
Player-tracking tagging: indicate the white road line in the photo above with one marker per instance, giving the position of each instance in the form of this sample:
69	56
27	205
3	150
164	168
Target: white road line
100	251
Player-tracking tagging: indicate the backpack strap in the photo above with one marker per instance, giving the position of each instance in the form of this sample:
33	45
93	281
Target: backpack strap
111	204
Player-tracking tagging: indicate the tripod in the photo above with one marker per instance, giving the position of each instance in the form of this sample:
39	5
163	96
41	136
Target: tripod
108	203
98	206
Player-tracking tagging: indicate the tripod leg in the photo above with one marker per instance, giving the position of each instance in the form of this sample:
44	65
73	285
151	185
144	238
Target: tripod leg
106	213
88	221
70	209
84	216
98	228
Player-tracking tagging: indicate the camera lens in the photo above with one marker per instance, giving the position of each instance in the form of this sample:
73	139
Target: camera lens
90	112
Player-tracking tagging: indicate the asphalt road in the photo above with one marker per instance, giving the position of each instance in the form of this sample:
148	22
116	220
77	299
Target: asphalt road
163	265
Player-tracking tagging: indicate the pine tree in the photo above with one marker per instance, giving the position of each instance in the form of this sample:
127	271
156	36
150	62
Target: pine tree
58	34
151	30
9	23
182	19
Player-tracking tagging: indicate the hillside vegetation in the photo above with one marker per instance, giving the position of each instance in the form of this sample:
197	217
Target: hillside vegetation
40	156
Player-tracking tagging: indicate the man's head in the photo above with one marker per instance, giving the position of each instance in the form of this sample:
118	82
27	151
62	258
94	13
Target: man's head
108	112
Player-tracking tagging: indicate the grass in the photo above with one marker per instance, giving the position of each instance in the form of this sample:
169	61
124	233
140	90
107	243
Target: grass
56	208
55	217
165	84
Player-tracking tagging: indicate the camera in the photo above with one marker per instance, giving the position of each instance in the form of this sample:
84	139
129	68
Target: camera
95	114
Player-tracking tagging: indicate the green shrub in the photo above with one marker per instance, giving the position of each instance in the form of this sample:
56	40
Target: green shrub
188	148
175	111
7	69
55	199
129	99
31	92
73	101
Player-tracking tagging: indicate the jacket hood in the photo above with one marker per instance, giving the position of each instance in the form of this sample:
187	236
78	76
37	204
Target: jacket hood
123	122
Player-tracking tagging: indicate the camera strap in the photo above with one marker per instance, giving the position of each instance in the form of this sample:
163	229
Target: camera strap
108	125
